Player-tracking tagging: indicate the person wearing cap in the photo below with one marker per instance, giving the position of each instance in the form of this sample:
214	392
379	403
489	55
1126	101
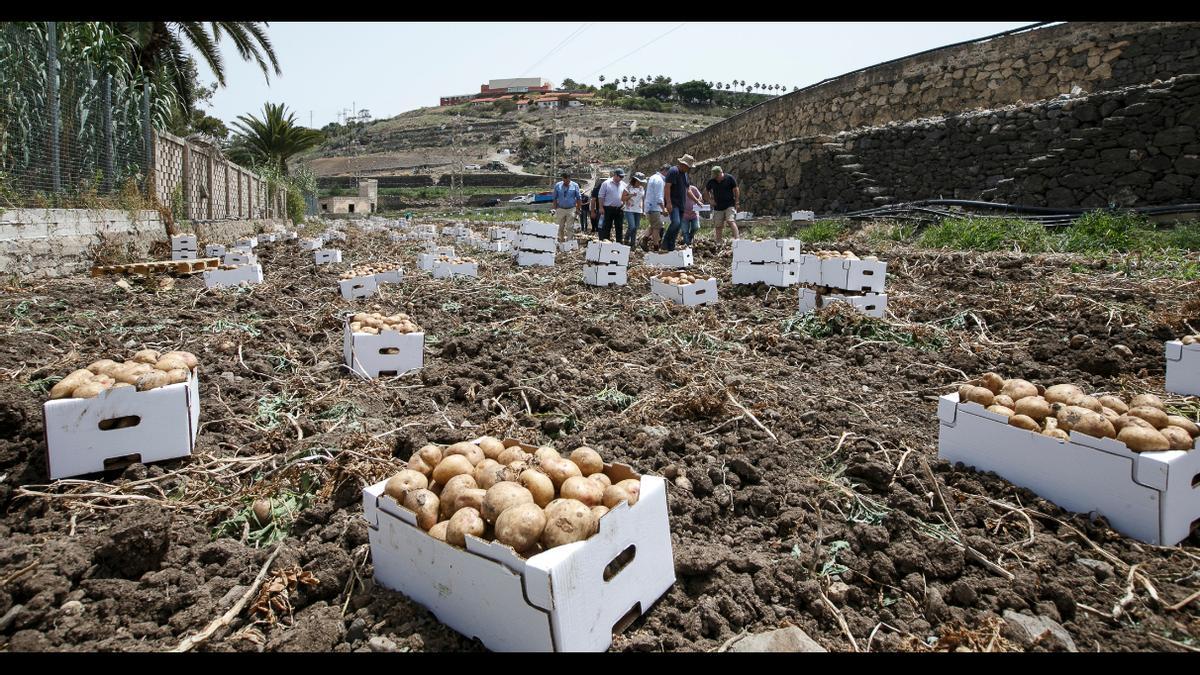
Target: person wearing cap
722	193
654	208
584	212
566	203
610	199
635	203
675	197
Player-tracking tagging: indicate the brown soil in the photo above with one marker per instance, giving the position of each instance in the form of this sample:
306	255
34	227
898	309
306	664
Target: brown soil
839	526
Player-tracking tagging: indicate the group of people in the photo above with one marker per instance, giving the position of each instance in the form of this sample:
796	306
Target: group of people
616	207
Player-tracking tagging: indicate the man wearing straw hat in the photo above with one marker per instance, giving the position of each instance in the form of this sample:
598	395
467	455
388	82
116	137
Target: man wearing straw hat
675	197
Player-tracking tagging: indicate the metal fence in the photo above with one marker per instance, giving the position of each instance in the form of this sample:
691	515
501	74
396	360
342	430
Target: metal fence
75	125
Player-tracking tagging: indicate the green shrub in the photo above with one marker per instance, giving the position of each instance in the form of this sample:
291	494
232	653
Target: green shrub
1106	231
987	234
297	209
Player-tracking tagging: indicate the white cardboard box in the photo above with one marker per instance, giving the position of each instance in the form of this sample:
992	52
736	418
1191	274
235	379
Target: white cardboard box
248	242
677	259
871	304
183	255
269	238
1183	368
803	215
370	356
854	275
234	259
539	229
250	274
742	215
774	274
1148	496
443	270
359	287
529	242
168	419
607	253
328	255
186	242
214	251
569	598
605	275
291	235
331	235
768	250
703	292
496	246
438	249
532	259
568	245
394	277
311	244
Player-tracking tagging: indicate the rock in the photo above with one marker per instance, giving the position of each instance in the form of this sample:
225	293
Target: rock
9	616
789	639
72	608
963	594
837	592
1124	351
1101	569
1027	630
382	644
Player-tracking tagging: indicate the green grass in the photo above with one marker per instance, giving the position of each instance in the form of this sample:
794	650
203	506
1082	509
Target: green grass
222	325
821	231
987	234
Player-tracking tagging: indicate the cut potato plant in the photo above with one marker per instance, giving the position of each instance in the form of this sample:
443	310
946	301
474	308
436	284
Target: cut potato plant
528	501
1142	422
146	369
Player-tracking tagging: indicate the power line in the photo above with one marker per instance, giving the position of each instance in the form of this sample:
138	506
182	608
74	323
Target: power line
651	41
560	45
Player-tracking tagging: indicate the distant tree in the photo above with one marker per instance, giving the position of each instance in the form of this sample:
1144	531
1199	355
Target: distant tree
602	80
794	88
754	86
625	80
694	92
504	105
661	91
271	140
570	84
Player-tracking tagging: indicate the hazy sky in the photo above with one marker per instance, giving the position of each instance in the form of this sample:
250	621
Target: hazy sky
389	68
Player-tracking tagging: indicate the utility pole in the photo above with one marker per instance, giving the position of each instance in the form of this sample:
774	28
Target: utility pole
554	145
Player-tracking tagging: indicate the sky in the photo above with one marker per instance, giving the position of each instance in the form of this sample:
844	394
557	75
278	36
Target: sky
392	67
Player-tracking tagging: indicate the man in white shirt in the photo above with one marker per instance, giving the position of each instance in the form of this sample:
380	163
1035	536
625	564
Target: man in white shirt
654	207
610	200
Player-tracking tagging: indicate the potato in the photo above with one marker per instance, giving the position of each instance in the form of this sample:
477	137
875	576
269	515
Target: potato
1005	400
1036	407
598	512
539	485
559	470
171	363
102	366
1129	420
453	488
152	380
1069	415
471	497
450	467
971	394
1024	422
417	464
469	450
1184	423
404	482
1058	434
262	511
491	446
512	472
1090	402
463	522
513	454
178	376
1018	389
587	459
503	496
430	454
425	504
992	381
615	494
130	373
1154	416
487	473
1178	438
521	526
546	452
148	356
187	357
601	478
1110	414
1147	400
89	389
581	489
1094	424
567	521
1114	402
1139	439
1000	410
438	531
66	386
1063	393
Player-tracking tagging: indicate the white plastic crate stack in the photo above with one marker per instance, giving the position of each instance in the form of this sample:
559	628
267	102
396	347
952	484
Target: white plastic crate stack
677	259
1183	367
381	355
606	264
536	243
858	282
499	240
1148	496
326	256
571	244
570	598
775	262
120	426
184	247
432	253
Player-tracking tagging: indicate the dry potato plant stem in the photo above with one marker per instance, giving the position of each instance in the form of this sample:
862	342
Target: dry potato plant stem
226	618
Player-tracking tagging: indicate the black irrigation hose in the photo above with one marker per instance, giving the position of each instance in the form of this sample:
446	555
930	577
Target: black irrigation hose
1050	217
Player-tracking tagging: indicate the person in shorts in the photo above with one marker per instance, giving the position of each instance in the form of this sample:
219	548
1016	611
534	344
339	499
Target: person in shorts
723	194
655	211
566	205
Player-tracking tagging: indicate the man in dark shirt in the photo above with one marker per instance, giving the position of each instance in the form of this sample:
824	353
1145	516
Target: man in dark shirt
722	193
596	210
675	197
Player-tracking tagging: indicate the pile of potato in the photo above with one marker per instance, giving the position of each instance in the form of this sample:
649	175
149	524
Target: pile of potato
825	254
1141	423
455	261
375	323
1190	339
146	370
531	502
680	278
369	270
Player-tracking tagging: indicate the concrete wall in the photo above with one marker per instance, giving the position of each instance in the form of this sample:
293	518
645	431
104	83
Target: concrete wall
1009	70
1131	146
60	242
326	205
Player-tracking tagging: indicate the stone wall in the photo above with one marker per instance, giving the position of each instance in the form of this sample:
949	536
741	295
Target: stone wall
1011	69
60	242
1131	146
499	180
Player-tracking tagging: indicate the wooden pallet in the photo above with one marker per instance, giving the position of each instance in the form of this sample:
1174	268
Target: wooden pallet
159	267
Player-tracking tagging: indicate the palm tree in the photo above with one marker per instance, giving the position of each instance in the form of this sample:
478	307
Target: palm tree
625	79
273	139
601	80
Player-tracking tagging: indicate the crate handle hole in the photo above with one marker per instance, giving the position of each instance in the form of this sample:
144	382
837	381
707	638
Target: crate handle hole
388	373
627	618
390	350
122	422
620	562
122	461
1196	481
